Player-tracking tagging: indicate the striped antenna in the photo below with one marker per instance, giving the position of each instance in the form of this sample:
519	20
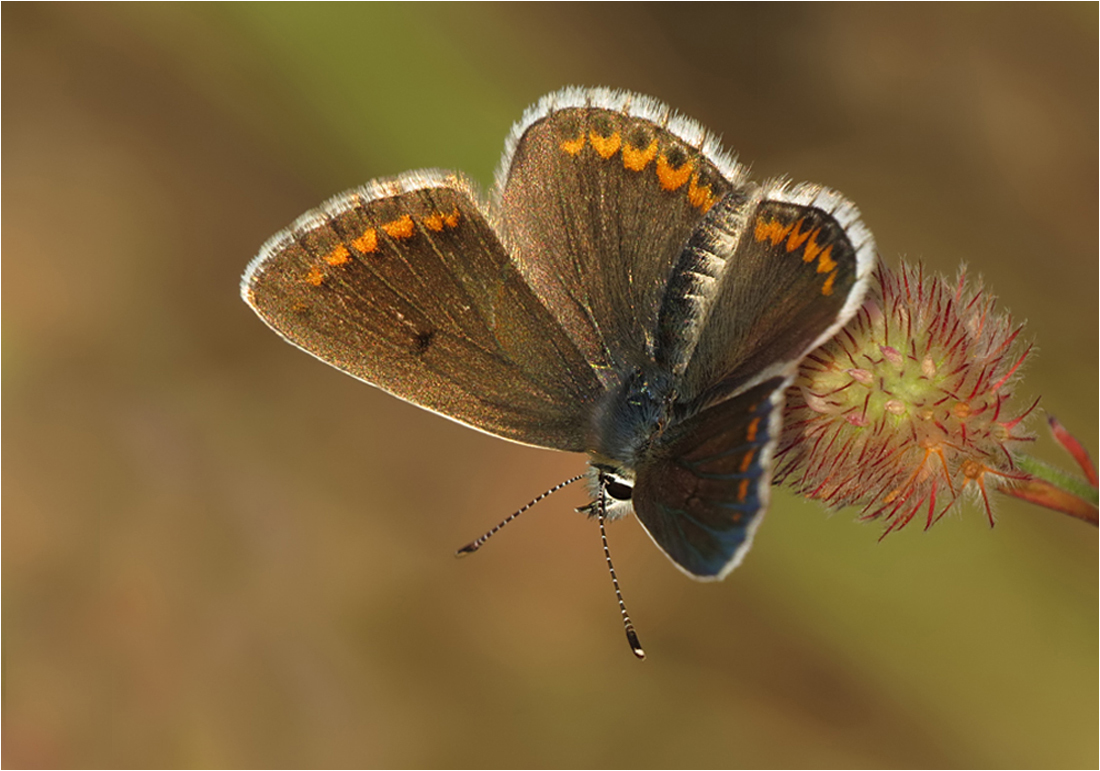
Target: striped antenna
628	626
601	511
474	545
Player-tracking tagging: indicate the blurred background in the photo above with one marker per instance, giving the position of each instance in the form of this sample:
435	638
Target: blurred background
220	552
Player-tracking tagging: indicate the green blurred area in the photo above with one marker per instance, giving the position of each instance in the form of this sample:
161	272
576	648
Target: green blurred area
219	552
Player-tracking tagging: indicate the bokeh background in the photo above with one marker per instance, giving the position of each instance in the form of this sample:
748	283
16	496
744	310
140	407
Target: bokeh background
219	552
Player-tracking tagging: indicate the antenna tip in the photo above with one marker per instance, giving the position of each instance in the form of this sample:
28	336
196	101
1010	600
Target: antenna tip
469	548
635	646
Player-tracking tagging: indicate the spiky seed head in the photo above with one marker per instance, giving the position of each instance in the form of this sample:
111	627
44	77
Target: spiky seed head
907	407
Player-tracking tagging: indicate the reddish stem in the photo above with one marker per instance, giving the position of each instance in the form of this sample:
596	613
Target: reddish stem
1047	495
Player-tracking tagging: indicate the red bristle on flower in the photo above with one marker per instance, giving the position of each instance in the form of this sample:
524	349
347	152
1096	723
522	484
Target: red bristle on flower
1074	448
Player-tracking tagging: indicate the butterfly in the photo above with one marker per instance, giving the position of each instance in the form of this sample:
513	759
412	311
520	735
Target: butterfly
626	292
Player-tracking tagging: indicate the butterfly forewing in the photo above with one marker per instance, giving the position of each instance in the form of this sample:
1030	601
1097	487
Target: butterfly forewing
404	284
597	199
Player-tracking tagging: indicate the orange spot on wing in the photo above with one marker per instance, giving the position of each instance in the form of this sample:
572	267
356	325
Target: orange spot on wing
438	220
772	230
315	276
742	490
812	247
797	237
747	460
670	178
605	146
573	146
636	159
367	242
400	228
762	230
827	287
699	196
825	262
338	256
750	432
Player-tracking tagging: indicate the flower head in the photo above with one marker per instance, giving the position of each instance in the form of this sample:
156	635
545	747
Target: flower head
906	408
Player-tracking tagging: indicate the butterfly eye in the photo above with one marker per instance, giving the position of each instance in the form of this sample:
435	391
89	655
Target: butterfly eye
618	490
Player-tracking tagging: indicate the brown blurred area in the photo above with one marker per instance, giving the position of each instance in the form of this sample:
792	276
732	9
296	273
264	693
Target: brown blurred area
219	552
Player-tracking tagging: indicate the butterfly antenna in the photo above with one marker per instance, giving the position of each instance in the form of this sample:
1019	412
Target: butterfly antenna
474	545
628	626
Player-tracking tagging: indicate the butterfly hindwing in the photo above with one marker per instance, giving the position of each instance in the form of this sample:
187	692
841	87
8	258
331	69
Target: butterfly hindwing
704	487
404	284
770	276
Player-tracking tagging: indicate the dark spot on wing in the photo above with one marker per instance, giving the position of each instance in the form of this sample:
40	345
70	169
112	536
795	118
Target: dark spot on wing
422	341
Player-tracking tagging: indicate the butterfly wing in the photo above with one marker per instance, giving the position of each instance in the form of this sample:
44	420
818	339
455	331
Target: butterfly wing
404	284
702	492
598	193
772	274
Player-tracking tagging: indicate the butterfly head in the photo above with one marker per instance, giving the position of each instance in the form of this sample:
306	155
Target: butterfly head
611	487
